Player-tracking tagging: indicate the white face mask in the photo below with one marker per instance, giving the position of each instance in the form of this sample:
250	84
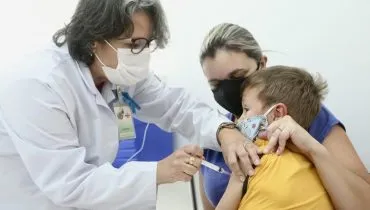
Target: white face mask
131	68
251	126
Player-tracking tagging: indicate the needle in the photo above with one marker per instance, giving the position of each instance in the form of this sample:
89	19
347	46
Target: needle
214	167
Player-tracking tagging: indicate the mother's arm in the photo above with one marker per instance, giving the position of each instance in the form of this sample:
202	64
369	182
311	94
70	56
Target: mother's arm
339	145
342	172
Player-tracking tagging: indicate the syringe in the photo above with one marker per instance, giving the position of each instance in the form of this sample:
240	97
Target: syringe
214	167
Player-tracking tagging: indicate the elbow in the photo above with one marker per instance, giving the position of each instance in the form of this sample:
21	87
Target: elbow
64	195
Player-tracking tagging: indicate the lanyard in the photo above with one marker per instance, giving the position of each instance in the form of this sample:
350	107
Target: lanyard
125	98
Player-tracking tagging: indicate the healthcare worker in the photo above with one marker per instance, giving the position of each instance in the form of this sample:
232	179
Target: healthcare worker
59	128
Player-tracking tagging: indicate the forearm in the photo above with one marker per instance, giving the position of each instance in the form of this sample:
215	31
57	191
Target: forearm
232	196
176	110
347	190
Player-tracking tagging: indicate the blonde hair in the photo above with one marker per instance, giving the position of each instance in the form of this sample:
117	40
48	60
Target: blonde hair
296	88
232	37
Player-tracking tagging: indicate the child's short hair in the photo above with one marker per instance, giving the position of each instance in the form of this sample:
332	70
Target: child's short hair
295	87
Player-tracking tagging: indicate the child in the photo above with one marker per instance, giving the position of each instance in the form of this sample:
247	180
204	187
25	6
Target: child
287	181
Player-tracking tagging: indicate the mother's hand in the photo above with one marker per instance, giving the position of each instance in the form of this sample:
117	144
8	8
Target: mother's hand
180	165
239	153
280	131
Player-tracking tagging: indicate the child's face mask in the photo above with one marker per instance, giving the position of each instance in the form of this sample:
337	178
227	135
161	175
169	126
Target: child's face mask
251	126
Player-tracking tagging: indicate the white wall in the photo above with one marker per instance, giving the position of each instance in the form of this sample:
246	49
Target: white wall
330	37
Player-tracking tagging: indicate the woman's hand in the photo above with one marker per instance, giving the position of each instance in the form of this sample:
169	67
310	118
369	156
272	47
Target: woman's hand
280	131
180	165
239	153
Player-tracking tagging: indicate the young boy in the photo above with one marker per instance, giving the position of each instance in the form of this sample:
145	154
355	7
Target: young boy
287	181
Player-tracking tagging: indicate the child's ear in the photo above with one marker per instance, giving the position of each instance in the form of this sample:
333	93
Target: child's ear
281	110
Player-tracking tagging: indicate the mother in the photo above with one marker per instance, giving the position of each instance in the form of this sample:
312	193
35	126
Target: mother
230	53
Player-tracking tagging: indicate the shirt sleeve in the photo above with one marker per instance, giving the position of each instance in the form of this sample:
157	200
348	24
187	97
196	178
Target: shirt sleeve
175	110
36	119
323	124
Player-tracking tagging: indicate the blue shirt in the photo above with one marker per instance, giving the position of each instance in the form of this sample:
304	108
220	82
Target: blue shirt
215	183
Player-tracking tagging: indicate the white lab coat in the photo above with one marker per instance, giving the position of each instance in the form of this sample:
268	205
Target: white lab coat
58	136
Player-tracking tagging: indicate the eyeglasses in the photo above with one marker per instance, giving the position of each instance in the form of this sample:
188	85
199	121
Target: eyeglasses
139	44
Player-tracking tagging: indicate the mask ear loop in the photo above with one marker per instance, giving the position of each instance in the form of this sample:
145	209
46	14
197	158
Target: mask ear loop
269	110
265	123
101	62
259	64
97	57
111	46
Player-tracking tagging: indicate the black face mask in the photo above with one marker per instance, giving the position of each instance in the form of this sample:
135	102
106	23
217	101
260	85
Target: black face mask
228	95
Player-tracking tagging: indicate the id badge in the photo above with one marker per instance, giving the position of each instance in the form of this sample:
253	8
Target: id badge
125	121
